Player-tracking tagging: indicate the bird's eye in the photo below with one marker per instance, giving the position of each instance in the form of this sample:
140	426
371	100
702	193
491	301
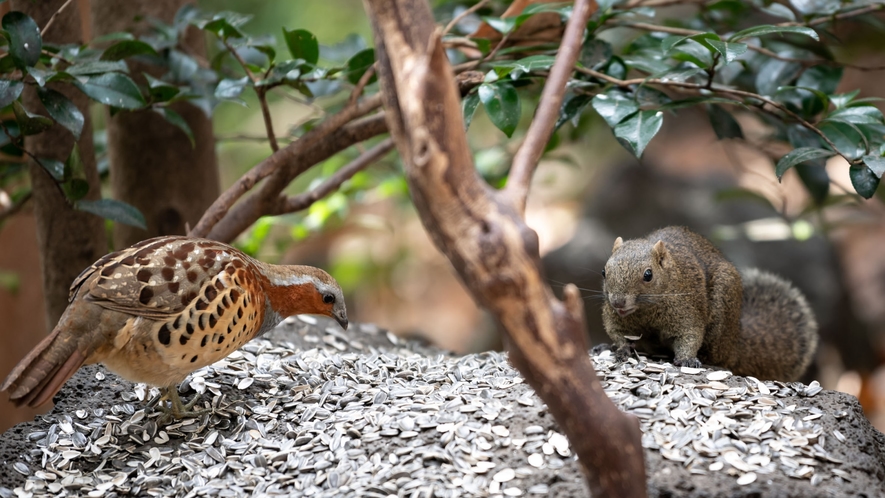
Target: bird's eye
647	275
328	298
603	273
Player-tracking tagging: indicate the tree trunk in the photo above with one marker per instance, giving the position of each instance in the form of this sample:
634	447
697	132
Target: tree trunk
153	165
483	234
69	240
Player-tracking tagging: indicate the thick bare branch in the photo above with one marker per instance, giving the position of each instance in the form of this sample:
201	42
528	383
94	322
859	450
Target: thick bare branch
281	163
526	159
493	250
366	159
263	202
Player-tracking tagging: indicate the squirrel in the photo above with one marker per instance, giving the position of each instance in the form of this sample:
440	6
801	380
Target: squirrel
674	290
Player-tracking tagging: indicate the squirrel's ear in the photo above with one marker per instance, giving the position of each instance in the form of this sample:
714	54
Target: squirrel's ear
660	251
618	243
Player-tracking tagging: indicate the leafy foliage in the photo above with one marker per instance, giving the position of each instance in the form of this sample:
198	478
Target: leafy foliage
733	59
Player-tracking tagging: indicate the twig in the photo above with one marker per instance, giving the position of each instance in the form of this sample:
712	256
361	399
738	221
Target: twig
18	142
721	90
278	161
303	201
762	50
454	22
526	158
52	19
260	92
15	206
361	84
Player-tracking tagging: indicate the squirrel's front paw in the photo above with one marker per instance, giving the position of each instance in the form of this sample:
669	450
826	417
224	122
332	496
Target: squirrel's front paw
688	362
622	353
599	348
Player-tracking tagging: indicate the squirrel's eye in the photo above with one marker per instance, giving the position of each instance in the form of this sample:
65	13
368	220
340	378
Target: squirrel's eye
603	273
647	275
328	298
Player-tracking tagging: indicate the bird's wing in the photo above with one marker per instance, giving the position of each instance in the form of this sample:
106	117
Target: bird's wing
158	277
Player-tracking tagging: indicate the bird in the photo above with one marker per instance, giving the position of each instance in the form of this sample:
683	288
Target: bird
165	307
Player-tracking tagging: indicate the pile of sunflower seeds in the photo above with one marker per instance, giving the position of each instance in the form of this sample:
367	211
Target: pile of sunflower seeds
349	419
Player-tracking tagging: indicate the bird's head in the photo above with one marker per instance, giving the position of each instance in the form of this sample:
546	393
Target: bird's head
297	290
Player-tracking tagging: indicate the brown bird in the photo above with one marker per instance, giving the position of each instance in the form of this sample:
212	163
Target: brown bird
159	310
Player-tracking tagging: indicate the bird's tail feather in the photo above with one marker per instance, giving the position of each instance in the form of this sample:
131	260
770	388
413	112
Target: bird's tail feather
40	374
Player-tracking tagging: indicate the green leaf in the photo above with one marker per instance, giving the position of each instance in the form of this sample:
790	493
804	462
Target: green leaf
114	210
693	101
302	45
127	48
863	179
614	106
230	89
779	10
76	189
798	156
822	78
55	167
176	119
29	124
595	53
97	67
723	123
857	115
161	91
816	179
113	89
224	24
9	91
62	110
637	130
469	105
847	137
25	43
729	50
767	29
843	99
357	65
876	164
522	66
774	74
572	108
502	25
502	105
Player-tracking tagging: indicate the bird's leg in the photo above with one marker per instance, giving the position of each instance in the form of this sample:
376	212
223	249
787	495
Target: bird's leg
178	409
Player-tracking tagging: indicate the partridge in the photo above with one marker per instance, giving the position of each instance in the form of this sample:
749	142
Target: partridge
159	310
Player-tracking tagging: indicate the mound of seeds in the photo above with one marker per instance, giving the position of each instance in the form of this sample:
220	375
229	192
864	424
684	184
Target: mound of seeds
347	418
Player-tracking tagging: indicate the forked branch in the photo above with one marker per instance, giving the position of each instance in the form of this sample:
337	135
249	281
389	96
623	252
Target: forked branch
494	252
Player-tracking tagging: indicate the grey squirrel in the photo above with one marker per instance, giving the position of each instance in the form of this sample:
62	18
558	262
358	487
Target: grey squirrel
674	291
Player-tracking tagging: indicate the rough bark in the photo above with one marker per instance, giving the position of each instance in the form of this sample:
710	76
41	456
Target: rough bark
154	167
495	253
69	240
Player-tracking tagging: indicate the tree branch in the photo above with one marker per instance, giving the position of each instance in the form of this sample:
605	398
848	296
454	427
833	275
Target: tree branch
526	159
260	92
454	22
281	160
494	252
367	158
52	18
720	90
263	202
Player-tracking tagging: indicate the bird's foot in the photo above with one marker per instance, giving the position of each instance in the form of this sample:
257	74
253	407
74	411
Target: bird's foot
177	409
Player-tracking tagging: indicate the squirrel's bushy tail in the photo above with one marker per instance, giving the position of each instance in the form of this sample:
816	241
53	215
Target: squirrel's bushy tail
778	330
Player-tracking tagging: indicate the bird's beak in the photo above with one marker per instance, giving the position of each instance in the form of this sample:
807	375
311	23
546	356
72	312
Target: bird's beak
341	318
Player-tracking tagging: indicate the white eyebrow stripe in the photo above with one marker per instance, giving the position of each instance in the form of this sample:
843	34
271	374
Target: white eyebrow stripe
292	280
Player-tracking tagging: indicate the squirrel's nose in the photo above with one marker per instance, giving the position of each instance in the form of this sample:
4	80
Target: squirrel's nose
618	302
